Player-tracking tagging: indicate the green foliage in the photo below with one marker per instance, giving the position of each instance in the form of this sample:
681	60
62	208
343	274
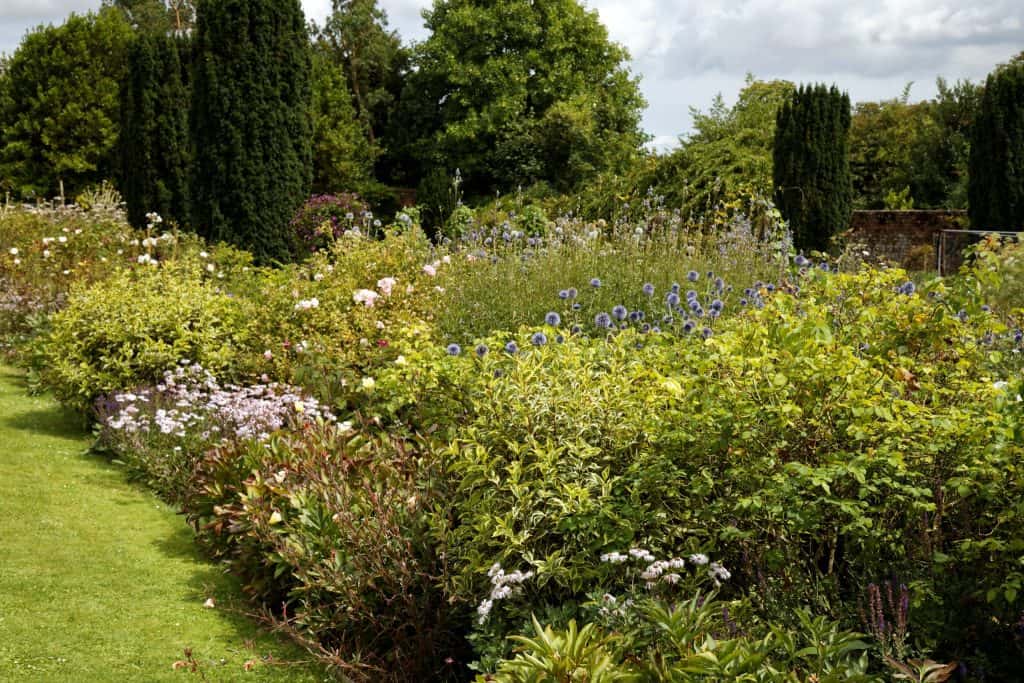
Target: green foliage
811	171
251	123
996	190
330	525
730	149
127	330
517	92
343	155
59	117
688	641
155	152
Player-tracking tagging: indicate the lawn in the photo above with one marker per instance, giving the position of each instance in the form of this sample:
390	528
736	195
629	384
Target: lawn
99	580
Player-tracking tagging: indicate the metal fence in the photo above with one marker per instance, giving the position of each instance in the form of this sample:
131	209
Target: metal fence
950	246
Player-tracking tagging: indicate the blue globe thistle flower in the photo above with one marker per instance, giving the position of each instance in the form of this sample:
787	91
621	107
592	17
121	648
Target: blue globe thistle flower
711	274
749	292
577	307
719	284
672	299
634	316
675	288
481	350
1018	336
603	320
713	313
645	328
770	287
512	347
801	261
694	305
667	320
743	302
575	329
706	333
689	326
572	292
962	314
691	294
559	339
824	266
564	294
907	288
539	339
454	349
717	305
553	319
619	312
986	308
693	276
648	289
623	326
595	282
655	330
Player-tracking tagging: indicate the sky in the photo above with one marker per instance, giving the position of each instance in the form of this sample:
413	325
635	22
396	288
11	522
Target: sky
687	51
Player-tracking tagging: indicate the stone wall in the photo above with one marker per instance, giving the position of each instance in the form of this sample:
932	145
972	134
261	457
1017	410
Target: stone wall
909	238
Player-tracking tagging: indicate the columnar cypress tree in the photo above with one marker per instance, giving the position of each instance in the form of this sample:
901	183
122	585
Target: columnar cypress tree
251	123
155	140
995	193
811	171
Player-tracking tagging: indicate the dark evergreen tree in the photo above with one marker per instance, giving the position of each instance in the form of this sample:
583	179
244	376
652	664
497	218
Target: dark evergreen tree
995	191
251	123
155	136
811	169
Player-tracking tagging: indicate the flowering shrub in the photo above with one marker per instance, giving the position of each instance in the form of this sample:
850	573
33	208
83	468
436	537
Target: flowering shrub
323	219
160	431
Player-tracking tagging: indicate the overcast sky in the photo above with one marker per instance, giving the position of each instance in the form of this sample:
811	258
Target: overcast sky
686	51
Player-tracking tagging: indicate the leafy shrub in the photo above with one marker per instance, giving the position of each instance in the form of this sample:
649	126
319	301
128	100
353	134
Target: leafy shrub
125	331
328	528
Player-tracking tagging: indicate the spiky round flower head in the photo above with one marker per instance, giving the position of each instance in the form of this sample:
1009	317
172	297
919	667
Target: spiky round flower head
1018	336
824	266
962	314
481	350
573	293
539	339
719	284
675	288
770	287
603	320
454	349
667	320
656	330
634	316
553	319
706	332
512	347
693	276
575	329
689	326
595	282
564	294
711	274
749	292
559	339
672	299
985	308
619	312
645	328
577	307
743	302
717	305
691	294
648	289
907	288
694	305
714	313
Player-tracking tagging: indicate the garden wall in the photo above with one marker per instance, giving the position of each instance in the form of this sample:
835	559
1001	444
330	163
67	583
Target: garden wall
908	238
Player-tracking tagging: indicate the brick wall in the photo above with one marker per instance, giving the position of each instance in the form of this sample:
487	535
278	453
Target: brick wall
908	238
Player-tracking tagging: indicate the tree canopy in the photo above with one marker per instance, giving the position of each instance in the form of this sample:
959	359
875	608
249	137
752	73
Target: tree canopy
515	92
59	105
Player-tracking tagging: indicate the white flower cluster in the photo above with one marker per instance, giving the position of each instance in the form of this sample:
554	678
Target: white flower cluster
307	304
502	586
664	571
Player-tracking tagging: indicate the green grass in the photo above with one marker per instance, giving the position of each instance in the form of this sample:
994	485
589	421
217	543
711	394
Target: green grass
99	580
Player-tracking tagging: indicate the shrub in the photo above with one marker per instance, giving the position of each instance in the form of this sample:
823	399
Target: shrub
324	218
125	331
328	529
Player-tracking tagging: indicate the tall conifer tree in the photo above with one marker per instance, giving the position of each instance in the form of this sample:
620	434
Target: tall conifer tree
155	135
995	192
251	123
811	170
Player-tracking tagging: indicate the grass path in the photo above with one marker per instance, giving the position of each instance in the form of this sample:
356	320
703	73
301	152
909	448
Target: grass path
100	581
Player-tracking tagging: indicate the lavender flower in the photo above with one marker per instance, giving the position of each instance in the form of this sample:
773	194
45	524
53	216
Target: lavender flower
539	339
648	289
619	312
707	332
512	348
693	276
572	292
603	320
672	299
553	319
481	350
454	349
595	282
564	294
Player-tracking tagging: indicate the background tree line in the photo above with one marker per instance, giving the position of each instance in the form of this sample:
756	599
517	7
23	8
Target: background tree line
510	94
